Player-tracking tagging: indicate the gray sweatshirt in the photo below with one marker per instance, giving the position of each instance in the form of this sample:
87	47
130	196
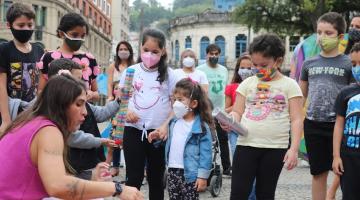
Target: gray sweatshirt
78	139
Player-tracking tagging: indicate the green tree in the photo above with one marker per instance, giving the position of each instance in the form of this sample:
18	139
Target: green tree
289	16
145	14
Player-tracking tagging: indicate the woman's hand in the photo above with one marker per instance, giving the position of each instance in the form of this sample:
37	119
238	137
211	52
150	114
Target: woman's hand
131	117
130	193
338	166
291	159
200	184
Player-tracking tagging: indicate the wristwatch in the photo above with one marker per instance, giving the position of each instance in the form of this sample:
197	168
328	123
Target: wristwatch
118	189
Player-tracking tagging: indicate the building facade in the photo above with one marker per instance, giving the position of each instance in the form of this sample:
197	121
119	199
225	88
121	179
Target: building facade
199	30
48	14
120	18
227	5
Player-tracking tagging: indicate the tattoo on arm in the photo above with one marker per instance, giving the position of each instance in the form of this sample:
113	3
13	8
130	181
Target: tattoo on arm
53	152
73	189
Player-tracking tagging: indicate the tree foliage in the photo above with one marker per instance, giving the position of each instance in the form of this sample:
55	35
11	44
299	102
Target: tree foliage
152	13
290	16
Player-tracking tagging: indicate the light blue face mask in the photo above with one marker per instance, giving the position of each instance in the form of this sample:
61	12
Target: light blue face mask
356	73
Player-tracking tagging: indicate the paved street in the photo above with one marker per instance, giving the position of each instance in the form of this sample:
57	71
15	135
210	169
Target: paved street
295	184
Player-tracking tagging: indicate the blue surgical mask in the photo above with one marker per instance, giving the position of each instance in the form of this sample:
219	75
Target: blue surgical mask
356	73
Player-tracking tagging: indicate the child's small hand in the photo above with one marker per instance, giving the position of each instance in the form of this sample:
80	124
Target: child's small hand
200	184
154	135
290	159
108	142
101	172
338	166
131	117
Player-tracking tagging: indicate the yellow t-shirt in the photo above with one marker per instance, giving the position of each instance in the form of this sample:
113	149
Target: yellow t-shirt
267	115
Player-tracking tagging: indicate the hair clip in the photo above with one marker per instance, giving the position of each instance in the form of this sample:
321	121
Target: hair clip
193	81
63	72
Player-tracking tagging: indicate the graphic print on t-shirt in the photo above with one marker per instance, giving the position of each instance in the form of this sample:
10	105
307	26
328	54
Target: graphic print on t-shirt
24	80
153	97
265	101
352	126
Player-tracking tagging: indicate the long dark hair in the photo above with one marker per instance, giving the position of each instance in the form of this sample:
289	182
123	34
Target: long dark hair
130	60
159	36
236	78
193	90
53	103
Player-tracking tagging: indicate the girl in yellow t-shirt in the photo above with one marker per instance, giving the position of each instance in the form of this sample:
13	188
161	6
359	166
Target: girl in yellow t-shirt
269	105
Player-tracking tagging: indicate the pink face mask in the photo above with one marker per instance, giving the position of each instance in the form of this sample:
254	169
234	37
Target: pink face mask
149	59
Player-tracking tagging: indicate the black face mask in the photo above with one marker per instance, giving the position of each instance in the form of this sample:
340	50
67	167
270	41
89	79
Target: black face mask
74	44
22	35
214	60
354	34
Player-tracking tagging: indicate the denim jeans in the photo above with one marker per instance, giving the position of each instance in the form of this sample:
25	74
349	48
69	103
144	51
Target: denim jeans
232	140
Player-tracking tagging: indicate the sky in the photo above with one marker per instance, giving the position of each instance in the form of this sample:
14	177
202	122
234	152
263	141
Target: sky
165	3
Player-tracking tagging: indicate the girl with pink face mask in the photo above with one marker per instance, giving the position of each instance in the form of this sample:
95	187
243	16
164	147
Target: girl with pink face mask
149	111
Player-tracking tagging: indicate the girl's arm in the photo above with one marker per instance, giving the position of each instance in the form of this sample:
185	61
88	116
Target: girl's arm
296	119
238	107
47	152
110	73
304	86
338	134
104	113
93	95
228	106
42	83
205	155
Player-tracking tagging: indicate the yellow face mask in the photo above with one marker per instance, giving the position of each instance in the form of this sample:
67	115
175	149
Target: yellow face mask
328	43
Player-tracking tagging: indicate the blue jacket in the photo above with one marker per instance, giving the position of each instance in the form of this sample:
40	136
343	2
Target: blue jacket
197	151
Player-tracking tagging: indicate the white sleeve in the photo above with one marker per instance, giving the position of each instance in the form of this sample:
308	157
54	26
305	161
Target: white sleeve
203	78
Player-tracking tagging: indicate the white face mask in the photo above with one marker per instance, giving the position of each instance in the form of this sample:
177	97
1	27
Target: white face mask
245	73
180	109
188	62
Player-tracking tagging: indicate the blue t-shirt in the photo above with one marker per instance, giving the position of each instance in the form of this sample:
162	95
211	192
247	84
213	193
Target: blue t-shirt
348	105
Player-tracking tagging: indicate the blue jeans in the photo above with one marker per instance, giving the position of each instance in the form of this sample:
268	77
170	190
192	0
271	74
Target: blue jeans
233	140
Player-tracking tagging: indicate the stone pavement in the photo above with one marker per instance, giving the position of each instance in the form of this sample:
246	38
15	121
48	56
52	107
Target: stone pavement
294	185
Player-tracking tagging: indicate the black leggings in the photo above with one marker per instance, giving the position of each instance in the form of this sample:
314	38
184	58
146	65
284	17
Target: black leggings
136	152
261	163
224	146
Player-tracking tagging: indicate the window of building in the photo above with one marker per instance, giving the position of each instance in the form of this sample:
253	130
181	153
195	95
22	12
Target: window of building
83	8
95	17
43	13
78	3
293	41
172	49
240	44
90	12
95	2
177	51
101	21
103	6
188	42
108	9
204	42
220	41
4	8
